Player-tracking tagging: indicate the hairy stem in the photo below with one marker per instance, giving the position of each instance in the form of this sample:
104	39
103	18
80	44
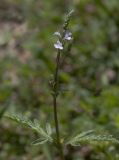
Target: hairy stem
55	95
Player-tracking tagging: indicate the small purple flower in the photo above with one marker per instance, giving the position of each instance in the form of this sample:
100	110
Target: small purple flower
68	36
58	45
57	34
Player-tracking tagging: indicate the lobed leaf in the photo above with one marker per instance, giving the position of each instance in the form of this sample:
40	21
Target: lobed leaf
48	129
32	125
88	137
39	141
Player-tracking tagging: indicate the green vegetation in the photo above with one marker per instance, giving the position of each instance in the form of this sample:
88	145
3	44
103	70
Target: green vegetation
89	78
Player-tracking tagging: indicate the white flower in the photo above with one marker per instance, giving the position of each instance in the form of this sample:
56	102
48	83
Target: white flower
57	34
68	36
58	45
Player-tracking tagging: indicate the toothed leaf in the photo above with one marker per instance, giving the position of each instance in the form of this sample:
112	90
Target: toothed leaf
88	137
32	125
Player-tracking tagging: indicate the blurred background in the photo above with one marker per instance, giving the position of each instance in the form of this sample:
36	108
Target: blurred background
90	74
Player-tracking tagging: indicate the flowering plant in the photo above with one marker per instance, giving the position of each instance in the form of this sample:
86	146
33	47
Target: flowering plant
46	134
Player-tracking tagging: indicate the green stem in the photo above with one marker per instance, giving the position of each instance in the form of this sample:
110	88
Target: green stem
55	95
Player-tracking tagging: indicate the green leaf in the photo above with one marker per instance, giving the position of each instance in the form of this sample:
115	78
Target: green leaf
32	125
83	134
48	129
39	141
88	137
